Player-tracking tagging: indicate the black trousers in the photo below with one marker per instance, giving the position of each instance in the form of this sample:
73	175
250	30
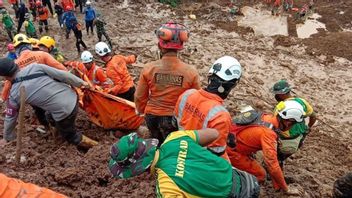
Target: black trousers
19	26
45	23
89	24
48	3
160	126
128	95
65	127
100	34
80	3
80	42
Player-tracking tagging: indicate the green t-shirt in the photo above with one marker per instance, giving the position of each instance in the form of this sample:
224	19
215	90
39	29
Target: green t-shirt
30	28
184	168
7	21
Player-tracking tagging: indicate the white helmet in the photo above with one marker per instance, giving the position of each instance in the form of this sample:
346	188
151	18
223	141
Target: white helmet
86	57
102	49
88	3
227	68
290	109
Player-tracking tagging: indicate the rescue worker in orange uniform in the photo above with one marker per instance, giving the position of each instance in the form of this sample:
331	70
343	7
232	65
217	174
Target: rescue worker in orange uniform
200	109
88	67
43	14
161	82
255	132
116	70
26	56
67	4
11	187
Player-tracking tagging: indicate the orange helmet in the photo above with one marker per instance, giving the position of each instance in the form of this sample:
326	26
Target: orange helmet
172	35
10	46
38	3
69	8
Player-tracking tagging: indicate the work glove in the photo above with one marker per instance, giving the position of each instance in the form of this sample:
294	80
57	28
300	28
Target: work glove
86	85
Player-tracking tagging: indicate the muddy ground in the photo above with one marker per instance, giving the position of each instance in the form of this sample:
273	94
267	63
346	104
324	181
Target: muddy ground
319	67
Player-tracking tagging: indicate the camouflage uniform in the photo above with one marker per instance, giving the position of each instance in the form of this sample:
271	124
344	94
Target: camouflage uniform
100	25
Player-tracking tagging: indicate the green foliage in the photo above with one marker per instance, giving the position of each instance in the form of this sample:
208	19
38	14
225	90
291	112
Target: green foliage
173	3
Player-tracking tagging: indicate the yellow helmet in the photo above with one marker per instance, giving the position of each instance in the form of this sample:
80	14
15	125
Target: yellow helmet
47	41
19	39
34	42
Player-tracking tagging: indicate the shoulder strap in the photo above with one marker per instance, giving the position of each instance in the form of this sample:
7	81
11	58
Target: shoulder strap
28	77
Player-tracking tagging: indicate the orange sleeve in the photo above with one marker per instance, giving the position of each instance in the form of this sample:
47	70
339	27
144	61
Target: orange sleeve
129	59
142	92
269	146
11	187
114	75
101	76
52	62
6	90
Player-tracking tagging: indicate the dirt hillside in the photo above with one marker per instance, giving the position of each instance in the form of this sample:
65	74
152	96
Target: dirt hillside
319	68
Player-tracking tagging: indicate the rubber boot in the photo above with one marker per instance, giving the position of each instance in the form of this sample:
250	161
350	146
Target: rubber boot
86	142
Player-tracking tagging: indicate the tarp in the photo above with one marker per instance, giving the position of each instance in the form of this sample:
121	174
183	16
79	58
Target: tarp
110	112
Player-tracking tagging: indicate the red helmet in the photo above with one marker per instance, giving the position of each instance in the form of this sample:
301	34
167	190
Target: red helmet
68	8
38	3
10	47
172	35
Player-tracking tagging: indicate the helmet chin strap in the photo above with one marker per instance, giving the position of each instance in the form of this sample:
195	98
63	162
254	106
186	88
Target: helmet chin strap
221	89
215	86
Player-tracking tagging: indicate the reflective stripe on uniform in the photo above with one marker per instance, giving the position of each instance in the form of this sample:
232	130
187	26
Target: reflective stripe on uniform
182	104
212	112
217	149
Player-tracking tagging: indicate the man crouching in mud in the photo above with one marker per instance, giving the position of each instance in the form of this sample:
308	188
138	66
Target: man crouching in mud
183	167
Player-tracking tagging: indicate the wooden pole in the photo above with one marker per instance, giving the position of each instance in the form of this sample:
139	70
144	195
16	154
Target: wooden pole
20	129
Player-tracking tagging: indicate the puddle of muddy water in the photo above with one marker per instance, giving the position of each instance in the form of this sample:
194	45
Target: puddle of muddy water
310	26
262	22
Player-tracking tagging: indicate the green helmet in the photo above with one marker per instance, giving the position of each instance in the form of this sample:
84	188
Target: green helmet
131	156
281	87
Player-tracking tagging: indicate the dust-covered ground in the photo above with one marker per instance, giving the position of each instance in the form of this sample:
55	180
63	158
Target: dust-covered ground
319	67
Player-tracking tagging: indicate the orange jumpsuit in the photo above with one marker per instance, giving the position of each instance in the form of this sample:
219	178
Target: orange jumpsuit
98	77
66	3
11	188
199	109
13	1
28	57
161	83
255	138
96	74
43	13
116	70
